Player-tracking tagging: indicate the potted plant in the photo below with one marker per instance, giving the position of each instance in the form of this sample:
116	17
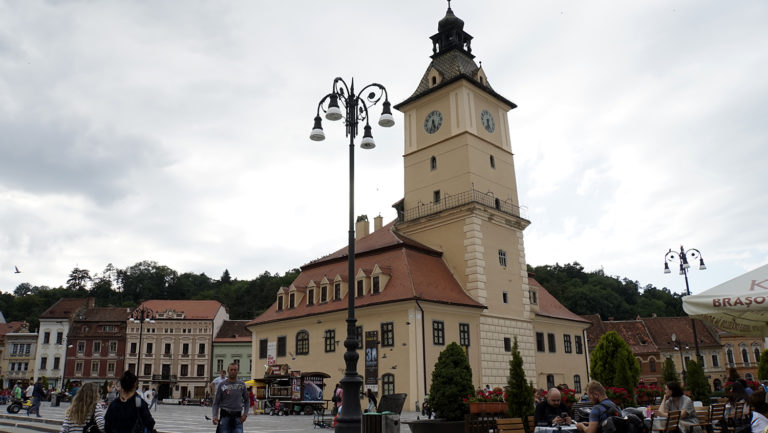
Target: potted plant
646	394
451	382
620	396
487	401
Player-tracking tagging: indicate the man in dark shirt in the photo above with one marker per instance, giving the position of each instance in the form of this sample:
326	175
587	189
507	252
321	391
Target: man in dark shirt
549	412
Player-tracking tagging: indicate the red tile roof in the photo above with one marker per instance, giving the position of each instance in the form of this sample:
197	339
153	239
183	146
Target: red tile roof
551	307
661	329
197	309
105	314
233	331
66	308
6	328
650	334
416	272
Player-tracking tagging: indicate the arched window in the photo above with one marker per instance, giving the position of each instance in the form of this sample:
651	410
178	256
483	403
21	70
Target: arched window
433	163
745	356
550	381
652	365
302	343
577	383
718	385
729	353
757	355
388	384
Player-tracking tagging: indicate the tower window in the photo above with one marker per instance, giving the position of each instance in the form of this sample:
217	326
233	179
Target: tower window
507	344
502	258
493	162
532	297
504	297
497	203
433	163
436	196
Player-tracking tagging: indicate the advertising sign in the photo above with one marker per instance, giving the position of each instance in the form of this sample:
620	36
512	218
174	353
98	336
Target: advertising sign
372	360
271	352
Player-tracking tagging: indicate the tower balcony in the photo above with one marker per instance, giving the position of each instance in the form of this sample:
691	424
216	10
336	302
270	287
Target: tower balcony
454	201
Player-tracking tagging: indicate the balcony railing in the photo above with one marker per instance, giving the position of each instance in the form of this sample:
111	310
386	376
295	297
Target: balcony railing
451	201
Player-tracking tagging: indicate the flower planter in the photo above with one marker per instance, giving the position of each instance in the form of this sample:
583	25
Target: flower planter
487	407
435	426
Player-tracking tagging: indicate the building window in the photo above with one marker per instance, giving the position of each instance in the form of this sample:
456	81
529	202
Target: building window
330	340
359	336
749	377
729	354
540	342
360	291
337	291
715	361
201	349
504	297
236	362
133	348
292	300
219	364
757	355
43	363
79	367
263	348
438	332
579	347
464	334
131	367
96	347
94	368
110	368
387	384
80	346
149	349
147	369
532	297
497	203
311	297
502	258
46	337
282	342
387	334
279	303
375	283
550	381
324	294
185	349
59	337
436	196
433	163
577	383
56	361
551	343
113	347
507	344
493	162
184	370
167	350
567	343
200	370
302	343
745	356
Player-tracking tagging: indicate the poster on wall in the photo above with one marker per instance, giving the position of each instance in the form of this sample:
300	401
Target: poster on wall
372	360
271	352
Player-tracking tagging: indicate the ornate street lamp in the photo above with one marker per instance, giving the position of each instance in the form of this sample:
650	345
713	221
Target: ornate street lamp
354	112
682	257
141	314
678	346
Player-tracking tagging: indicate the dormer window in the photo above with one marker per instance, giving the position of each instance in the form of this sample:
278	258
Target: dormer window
375	284
360	291
292	300
311	297
434	80
279	303
337	291
324	294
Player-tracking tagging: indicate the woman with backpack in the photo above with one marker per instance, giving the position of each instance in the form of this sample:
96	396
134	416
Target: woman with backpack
128	409
86	410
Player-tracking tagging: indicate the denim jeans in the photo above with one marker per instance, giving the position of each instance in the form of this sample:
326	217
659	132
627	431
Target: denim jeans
35	408
231	424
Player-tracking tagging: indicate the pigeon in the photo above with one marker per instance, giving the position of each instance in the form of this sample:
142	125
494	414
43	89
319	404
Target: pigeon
17	270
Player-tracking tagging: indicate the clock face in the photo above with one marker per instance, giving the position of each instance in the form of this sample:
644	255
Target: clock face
433	122
487	120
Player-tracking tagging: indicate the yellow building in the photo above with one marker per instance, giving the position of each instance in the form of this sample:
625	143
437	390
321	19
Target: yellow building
450	268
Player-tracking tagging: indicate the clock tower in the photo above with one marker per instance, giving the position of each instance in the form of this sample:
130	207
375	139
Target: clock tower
461	193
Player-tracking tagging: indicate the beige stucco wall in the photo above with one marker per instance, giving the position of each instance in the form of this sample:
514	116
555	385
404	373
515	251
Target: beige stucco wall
563	366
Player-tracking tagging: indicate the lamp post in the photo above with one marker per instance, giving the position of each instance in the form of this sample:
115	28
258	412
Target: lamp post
141	314
682	257
682	360
355	111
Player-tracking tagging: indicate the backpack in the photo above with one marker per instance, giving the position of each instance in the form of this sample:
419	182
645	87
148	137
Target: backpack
620	422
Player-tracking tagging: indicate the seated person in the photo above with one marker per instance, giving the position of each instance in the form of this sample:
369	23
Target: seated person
602	409
673	400
549	412
759	411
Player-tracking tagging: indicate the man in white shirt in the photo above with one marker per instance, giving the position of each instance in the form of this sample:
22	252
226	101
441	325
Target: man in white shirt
28	392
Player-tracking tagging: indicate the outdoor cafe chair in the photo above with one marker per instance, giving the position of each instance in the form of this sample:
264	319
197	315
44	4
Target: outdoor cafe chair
671	423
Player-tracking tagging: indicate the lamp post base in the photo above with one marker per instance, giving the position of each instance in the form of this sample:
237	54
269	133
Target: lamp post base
350	420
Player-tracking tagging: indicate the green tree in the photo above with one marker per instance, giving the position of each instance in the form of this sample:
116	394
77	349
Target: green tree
519	391
613	363
78	280
451	383
668	372
697	382
762	369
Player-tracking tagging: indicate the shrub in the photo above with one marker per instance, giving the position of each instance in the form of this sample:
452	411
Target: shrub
519	391
697	382
644	393
451	382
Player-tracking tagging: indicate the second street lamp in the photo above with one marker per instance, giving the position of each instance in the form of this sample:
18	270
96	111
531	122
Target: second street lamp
682	257
355	111
140	315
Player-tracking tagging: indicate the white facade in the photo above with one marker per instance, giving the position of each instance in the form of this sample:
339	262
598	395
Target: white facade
51	345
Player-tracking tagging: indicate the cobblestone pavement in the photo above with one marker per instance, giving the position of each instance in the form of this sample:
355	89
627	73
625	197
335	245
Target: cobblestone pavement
191	419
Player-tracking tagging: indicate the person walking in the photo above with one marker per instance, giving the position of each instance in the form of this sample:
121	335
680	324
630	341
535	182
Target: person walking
111	392
372	403
86	409
124	413
230	405
38	394
153	399
215	383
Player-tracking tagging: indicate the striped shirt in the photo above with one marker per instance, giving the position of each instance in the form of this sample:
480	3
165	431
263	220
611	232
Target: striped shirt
98	415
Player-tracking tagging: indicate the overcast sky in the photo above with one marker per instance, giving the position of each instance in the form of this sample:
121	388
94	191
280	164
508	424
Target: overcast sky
178	131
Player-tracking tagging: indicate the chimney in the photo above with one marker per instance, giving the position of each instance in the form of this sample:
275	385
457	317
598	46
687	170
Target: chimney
361	227
377	222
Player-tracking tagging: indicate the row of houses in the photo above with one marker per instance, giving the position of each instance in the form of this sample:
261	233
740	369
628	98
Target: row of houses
177	351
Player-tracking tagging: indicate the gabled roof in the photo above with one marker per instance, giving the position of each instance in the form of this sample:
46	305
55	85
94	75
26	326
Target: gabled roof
66	308
662	328
233	331
192	309
551	307
415	272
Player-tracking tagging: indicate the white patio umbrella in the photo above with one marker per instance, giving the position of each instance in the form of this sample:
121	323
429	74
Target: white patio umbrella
739	305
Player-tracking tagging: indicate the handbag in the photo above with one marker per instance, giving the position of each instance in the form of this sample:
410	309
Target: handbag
90	426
